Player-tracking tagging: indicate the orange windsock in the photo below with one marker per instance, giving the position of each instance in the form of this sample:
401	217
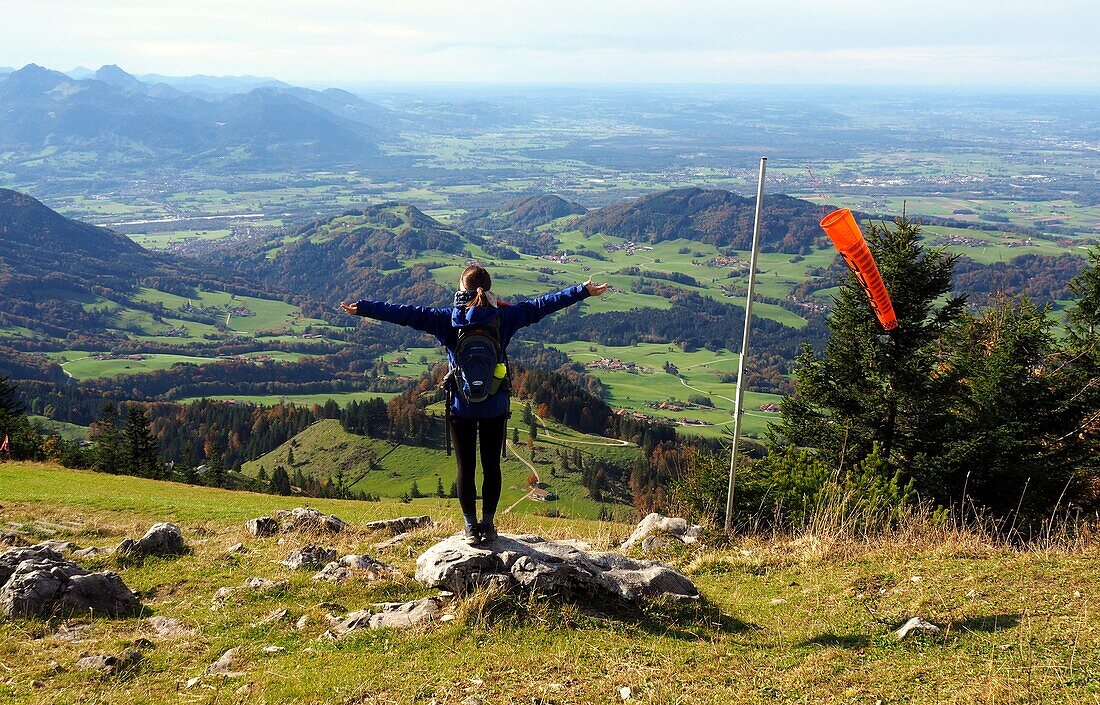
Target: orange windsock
843	230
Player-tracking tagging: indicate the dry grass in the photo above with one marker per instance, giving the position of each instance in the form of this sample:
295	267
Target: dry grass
790	618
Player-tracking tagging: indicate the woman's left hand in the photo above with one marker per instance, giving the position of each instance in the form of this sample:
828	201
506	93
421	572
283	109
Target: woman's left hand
595	289
353	309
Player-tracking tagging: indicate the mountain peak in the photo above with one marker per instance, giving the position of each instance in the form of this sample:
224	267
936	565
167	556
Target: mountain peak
112	75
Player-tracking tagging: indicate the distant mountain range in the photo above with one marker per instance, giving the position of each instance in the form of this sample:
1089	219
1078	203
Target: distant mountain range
118	118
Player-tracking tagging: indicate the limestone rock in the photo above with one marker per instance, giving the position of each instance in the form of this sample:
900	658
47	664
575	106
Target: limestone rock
532	564
272	650
355	566
669	526
308	519
265	585
162	539
917	625
236	549
400	525
99	592
262	526
37	582
226	665
11	558
88	552
398	615
169	628
309	558
109	665
60	546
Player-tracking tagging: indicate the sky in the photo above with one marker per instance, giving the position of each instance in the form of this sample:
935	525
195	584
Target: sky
1004	43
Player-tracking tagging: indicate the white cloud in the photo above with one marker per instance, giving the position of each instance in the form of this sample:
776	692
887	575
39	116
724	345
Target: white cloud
783	41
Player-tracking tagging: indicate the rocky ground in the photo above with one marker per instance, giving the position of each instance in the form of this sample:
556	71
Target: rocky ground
342	605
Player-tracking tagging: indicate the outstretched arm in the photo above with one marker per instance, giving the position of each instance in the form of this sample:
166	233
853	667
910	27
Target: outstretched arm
436	321
528	313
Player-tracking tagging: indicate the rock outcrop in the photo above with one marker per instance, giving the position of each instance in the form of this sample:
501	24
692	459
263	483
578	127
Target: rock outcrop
162	539
309	519
400	525
394	615
658	525
37	582
262	526
532	564
309	558
355	566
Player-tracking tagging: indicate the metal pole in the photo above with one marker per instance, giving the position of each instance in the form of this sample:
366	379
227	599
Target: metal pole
737	411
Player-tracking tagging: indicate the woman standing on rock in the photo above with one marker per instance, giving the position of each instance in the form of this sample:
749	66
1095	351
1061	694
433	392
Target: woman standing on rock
476	332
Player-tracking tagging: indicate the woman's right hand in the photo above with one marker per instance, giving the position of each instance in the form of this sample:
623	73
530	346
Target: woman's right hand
353	309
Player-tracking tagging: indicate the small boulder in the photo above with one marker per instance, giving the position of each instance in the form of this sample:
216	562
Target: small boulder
400	525
401	615
360	566
236	549
98	592
917	625
262	526
654	523
309	558
162	539
309	519
226	665
109	665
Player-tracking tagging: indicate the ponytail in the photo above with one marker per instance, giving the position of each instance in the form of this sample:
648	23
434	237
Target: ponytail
482	299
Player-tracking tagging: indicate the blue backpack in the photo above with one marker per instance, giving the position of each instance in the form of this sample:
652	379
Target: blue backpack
477	354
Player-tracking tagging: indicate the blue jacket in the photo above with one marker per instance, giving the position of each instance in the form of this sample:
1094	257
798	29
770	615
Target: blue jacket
444	323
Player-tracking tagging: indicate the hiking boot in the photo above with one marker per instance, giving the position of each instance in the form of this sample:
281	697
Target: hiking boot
472	535
488	532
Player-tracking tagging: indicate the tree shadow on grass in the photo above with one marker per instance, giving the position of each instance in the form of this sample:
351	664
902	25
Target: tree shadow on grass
841	641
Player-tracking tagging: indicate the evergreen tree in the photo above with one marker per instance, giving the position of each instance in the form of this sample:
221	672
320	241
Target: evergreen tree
1012	426
439	488
139	446
24	442
453	492
414	491
215	475
868	388
280	481
109	452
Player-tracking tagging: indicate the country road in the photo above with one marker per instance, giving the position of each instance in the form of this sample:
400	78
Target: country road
511	447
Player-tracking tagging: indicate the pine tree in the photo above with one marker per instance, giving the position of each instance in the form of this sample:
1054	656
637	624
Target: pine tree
869	387
453	492
280	481
109	453
414	491
439	488
139	445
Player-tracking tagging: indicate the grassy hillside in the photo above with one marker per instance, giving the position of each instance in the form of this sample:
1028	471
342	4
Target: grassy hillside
804	621
324	449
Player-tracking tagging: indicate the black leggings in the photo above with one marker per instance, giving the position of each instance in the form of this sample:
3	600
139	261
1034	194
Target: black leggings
464	434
